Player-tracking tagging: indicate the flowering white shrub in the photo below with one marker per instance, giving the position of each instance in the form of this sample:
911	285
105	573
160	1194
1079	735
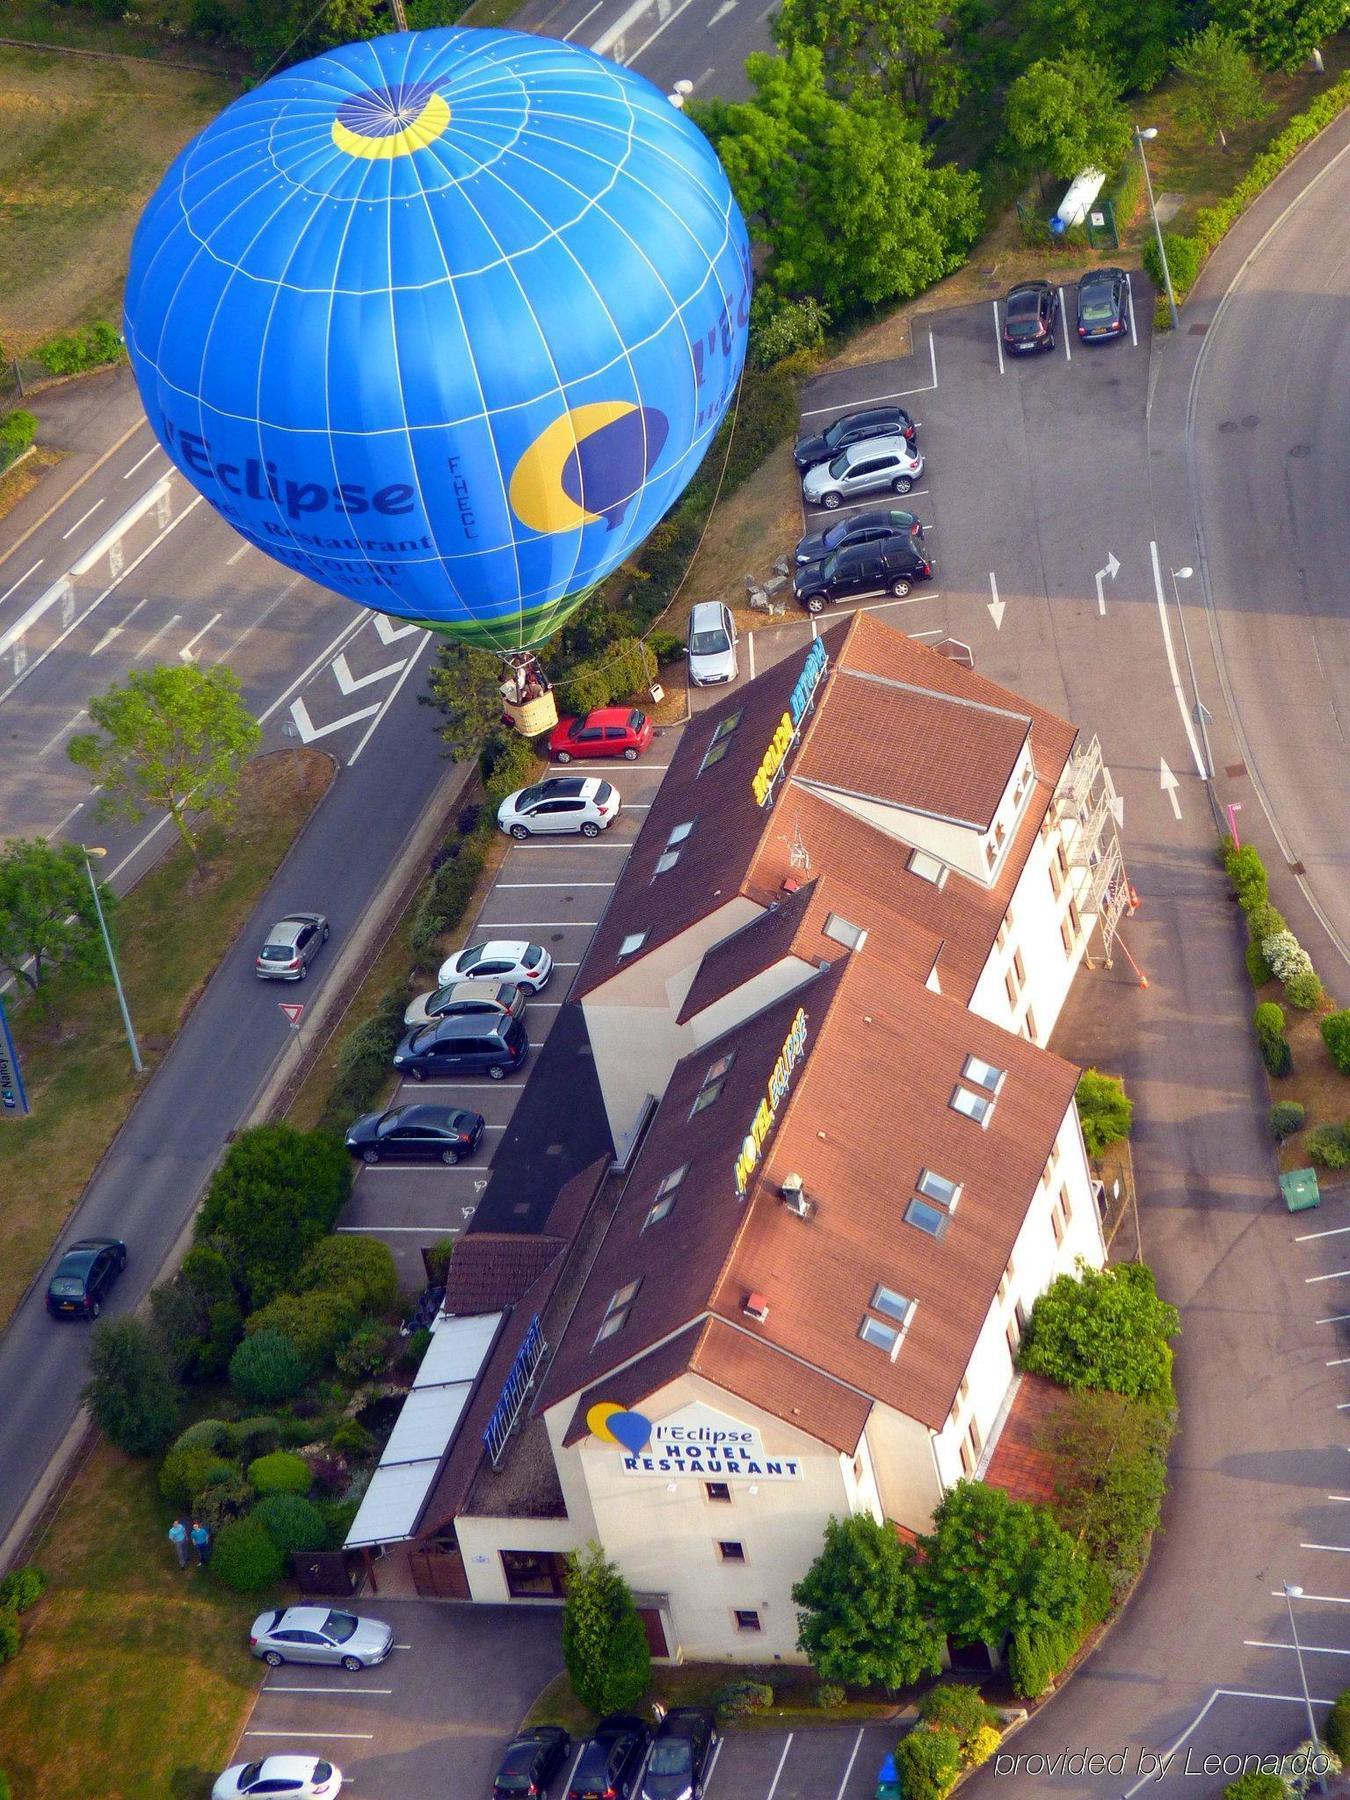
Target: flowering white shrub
1286	955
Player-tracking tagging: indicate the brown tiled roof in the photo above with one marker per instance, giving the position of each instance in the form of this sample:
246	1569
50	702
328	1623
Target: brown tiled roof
679	1260
731	1359
757	946
1019	1463
492	1269
898	742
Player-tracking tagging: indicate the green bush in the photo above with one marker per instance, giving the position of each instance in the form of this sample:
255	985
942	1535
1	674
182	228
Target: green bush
365	1352
1336	1037
1286	955
317	1323
958	1706
22	1588
1034	1660
292	1522
1268	1023
780	328
623	669
1104	1111
666	647
362	1266
437	1260
1257	1784
516	761
17	432
928	1761
267	1368
1336	1731
1104	1328
255	1436
10	1636
738	1699
419	1342
245	1557
81	350
1328	1146
352	1439
1264	920
185	1472
1244	867
204	1434
131	1389
277	1192
6	1791
1286	1117
1099	1593
337	1516
1257	966
280	1472
1184	257
1304	990
829	1695
446	897
224	1502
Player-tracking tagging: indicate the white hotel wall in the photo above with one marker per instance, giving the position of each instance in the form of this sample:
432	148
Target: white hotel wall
1036	913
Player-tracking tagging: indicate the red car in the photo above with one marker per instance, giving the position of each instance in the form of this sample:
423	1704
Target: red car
610	731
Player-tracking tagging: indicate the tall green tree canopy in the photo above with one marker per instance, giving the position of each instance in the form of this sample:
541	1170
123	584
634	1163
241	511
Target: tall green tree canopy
1132	39
463	687
898	46
993	1565
1063	116
131	1390
1104	1328
276	1194
841	190
1281	34
604	1646
47	916
1110	1459
175	739
863	1618
1219	86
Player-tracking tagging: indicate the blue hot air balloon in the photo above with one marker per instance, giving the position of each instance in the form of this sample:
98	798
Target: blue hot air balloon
445	321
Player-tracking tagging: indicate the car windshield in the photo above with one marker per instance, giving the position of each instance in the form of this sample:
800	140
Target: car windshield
532	956
514	1774
834	434
528	796
442	997
391	1121
708	643
277	952
424	1035
636	720
834	536
65	1284
249	1773
670	1756
840	464
1025	326
828	567
340	1626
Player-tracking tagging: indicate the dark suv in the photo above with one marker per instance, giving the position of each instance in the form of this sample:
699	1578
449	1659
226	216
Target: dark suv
852	428
1030	314
463	1044
607	1768
83	1276
891	566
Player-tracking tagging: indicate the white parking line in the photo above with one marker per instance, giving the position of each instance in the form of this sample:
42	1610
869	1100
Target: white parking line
582	20
53	741
857	1745
1064	326
532	925
717	1751
1329	1599
409	1168
346	1736
998	337
144	459
779	1770
1336	1231
80	521
501	885
586	844
19	583
1337	1362
1335	1319
276	1687
1129	291
390	1230
1320	1649
1182	708
1341	1549
843	406
1218	1694
1335	1275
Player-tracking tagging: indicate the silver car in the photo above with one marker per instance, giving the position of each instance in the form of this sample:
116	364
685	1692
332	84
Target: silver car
315	1634
467	997
712	644
864	468
291	946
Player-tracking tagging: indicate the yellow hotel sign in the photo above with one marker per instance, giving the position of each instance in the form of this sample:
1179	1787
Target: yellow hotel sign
794	1048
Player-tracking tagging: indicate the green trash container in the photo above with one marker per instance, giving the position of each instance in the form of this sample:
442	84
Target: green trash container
1299	1187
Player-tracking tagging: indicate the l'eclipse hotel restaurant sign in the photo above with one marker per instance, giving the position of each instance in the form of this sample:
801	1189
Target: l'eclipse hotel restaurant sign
799	704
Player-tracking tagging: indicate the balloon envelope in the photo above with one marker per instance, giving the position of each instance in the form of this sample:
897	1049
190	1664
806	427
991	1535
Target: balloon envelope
445	321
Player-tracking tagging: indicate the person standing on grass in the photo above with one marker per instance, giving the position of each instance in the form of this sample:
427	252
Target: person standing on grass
178	1537
201	1540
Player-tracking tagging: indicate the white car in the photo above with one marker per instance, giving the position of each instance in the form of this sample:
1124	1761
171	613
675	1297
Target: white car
565	803
500	959
864	468
712	644
292	1777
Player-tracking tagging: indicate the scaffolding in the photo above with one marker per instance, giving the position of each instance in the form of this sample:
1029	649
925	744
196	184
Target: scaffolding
1086	810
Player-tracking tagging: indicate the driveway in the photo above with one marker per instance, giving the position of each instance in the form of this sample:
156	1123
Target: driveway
824	1762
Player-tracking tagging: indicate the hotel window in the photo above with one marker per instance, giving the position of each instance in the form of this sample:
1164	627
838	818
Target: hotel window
1005	928
1059	1215
746	1621
991	852
937	1187
1029	1026
1062	859
665	1196
1066	936
967	1460
1005	1282
927	868
712	1083
1011	1333
1019	969
895	1306
1010	988
1020	1314
665	862
720	742
730	1551
1051	1164
1023	783
884	1337
983	1074
843	931
931	1219
974	1106
1016	978
718	1491
1056	881
1075	917
974	1439
633	942
616	1313
671	854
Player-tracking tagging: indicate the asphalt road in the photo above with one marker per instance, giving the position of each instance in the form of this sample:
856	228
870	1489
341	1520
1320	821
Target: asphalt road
704	42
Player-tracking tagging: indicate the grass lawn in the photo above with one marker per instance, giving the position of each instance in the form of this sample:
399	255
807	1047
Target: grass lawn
83	143
172	930
25	476
694	1684
133	1679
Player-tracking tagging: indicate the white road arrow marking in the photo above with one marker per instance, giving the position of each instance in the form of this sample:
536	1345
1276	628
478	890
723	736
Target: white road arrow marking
997	607
349	683
114	631
186	652
389	633
1169	786
1112	569
150	642
726	7
467	1211
309	731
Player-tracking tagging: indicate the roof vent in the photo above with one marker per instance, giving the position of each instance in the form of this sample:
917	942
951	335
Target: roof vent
791	885
756	1307
795	1198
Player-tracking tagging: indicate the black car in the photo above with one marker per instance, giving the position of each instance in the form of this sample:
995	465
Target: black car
83	1276
416	1134
679	1755
892	567
862	528
852	428
1030	314
1103	305
463	1044
607	1768
530	1762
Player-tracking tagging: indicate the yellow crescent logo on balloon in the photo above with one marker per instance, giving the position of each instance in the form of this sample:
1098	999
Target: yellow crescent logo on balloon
380	147
598	1418
538	497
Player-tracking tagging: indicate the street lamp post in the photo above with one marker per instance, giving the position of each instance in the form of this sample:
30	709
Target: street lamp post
1184	574
91	850
1140	134
1291	1594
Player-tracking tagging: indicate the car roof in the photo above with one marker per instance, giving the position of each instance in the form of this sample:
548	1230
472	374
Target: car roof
562	786
1107	272
473	990
608	715
680	1717
425	1113
457	1025
303	1618
1028	290
884	440
286	931
499	949
75	1260
706	610
93	1244
298	1767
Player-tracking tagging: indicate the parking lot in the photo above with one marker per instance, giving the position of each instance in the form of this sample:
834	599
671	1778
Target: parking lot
826	1762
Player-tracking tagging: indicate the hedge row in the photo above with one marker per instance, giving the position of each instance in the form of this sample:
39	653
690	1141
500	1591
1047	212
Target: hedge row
92	348
17	431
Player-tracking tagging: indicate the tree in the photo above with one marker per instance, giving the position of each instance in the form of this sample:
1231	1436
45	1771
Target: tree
862	1618
1063	116
897	46
362	1266
47	915
841	190
463	687
1336	1037
1219	87
1104	1112
1281	34
1104	1328
604	1645
1131	38
131	1390
993	1565
176	741
277	1192
1110	1459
